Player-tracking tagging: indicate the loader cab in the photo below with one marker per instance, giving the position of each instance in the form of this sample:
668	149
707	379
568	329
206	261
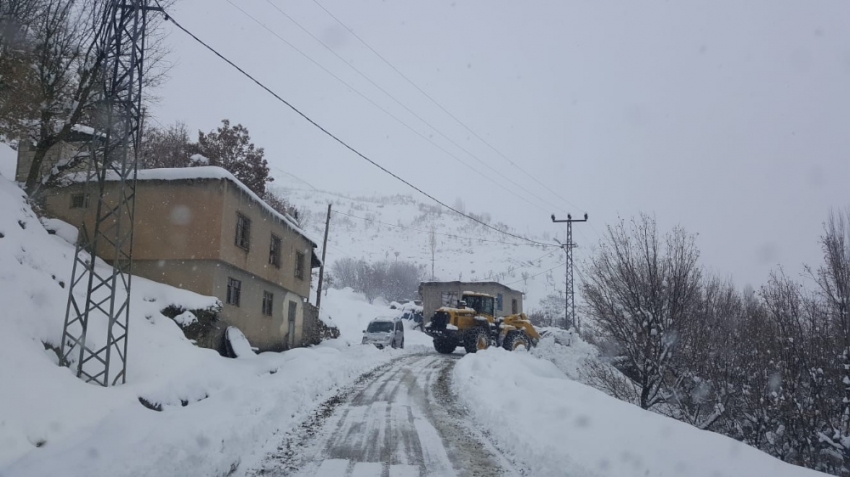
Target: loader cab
480	302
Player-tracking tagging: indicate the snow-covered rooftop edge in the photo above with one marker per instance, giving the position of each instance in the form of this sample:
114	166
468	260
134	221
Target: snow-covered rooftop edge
202	172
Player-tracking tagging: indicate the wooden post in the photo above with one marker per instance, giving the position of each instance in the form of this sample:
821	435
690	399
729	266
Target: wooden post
322	267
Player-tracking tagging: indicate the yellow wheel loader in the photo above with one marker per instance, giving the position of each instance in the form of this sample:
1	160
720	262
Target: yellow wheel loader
473	325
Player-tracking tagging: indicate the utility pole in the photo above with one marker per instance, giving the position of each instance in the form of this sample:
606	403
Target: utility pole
432	241
322	268
569	245
104	292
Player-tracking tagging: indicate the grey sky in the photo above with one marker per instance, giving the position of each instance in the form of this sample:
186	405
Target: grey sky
730	118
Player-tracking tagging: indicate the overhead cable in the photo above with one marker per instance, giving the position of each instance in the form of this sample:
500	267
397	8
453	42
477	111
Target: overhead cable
170	18
361	40
394	117
397	101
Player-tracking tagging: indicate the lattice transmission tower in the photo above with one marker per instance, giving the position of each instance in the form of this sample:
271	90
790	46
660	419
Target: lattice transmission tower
99	295
568	246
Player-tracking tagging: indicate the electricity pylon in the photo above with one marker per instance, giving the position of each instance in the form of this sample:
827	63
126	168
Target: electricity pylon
100	295
569	245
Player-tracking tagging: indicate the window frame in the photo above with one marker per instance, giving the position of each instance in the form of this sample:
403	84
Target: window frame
499	300
453	297
234	292
84	199
268	303
243	232
299	264
274	251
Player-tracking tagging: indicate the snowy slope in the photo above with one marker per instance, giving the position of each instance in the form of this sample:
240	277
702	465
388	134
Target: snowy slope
51	423
351	313
378	227
552	426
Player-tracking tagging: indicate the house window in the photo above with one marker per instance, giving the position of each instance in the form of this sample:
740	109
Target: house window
243	231
268	299
274	251
299	265
514	306
448	299
498	302
234	290
79	201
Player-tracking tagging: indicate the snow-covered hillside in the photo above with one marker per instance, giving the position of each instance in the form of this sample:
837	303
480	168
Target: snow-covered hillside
217	413
384	227
551	425
224	416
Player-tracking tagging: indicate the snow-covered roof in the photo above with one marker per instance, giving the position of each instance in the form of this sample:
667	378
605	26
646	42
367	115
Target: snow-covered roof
202	173
457	283
472	293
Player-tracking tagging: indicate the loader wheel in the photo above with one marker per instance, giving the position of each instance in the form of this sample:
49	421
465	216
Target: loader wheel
515	339
475	340
444	346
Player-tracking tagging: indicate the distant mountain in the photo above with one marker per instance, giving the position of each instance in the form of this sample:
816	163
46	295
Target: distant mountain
390	227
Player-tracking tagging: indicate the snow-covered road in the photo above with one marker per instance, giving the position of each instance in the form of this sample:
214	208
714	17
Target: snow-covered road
402	420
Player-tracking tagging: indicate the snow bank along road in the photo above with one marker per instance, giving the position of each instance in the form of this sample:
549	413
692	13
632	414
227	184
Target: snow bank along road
401	420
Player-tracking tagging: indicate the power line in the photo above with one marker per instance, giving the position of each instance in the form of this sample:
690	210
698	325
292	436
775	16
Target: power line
170	18
537	274
396	118
437	233
397	101
296	178
440	105
411	228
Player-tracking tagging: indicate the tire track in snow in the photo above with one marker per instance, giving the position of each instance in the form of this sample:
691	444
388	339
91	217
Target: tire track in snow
402	421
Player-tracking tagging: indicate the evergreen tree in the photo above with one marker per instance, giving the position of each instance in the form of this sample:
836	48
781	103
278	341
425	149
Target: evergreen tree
230	147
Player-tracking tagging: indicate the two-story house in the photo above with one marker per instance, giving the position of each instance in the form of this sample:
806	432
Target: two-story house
202	230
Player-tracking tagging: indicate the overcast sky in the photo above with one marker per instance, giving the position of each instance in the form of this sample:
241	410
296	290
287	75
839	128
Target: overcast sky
730	118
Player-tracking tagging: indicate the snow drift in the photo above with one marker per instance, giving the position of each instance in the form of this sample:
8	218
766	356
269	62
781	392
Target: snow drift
555	426
184	410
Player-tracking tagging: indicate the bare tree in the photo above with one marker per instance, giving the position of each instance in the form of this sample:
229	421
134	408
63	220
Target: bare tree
706	373
392	280
18	89
278	202
642	292
51	76
165	147
551	311
833	279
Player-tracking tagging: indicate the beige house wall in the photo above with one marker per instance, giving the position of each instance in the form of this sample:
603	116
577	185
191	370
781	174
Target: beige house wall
195	275
184	236
172	221
264	332
256	258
